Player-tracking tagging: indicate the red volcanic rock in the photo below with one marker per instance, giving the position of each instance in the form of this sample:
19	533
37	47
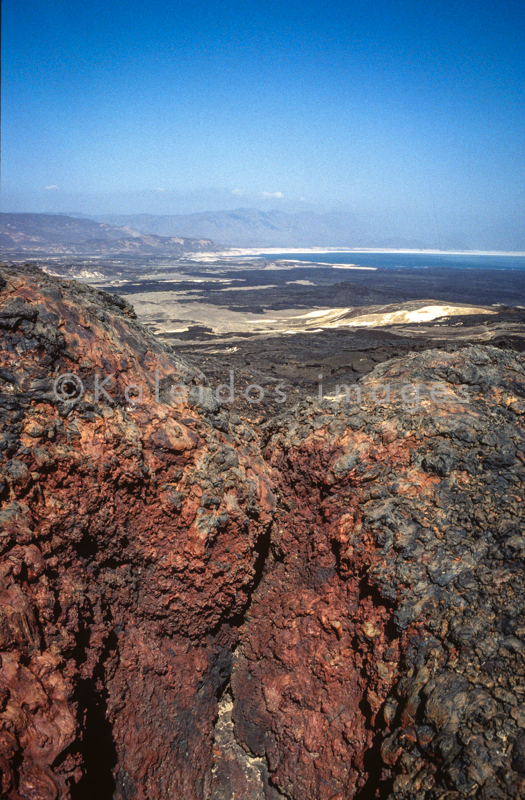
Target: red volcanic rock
333	612
129	543
383	651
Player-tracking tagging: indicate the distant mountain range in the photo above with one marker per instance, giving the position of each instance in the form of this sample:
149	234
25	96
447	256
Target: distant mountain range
176	234
54	234
251	227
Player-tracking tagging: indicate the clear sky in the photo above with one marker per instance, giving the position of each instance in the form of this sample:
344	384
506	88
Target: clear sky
152	106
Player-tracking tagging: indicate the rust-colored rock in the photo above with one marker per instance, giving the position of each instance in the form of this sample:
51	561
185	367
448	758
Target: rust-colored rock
129	543
383	653
351	582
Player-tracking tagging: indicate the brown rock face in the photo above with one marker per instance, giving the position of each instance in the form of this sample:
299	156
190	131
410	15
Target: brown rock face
383	653
129	545
353	581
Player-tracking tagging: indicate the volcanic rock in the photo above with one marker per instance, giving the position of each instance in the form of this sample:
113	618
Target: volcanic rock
130	536
328	608
383	651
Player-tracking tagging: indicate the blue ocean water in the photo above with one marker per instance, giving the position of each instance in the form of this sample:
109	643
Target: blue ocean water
407	260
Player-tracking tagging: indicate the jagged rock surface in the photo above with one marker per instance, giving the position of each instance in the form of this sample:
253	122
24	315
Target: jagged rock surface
384	651
356	575
129	541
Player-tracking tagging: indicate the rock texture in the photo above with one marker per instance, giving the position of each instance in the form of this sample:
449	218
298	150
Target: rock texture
349	579
384	651
129	546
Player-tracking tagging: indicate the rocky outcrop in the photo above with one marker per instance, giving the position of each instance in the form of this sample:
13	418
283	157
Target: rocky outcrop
131	536
330	607
383	654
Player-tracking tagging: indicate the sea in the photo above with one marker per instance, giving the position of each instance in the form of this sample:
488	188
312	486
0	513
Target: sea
401	260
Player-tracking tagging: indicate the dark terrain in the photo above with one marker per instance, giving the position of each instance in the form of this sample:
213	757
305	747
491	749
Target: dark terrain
341	355
381	286
206	602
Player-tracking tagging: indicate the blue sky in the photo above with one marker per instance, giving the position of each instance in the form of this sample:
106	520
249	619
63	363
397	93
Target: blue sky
170	107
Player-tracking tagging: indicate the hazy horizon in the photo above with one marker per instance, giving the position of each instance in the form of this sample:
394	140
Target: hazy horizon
402	114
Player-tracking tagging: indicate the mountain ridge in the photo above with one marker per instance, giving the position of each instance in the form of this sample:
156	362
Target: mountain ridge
252	227
59	234
156	234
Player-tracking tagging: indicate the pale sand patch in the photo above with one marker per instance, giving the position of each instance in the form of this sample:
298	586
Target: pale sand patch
425	314
167	312
249	288
171	312
189	279
352	317
324	312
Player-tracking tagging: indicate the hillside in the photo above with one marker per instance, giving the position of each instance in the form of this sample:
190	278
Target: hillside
250	227
55	234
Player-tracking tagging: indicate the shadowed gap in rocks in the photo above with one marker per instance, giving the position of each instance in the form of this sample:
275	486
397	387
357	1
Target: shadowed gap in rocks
98	747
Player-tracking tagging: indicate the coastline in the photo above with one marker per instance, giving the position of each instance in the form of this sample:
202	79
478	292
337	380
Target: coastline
235	253
256	250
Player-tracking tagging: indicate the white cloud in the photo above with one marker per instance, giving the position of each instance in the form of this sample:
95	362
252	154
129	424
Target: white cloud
240	193
52	188
160	189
